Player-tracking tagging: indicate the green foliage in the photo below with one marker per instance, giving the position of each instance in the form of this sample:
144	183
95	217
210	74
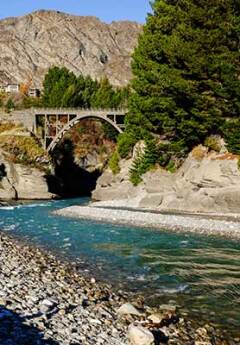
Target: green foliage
231	134
212	142
144	162
186	72
29	102
171	167
114	163
126	141
9	105
104	96
63	89
57	86
109	131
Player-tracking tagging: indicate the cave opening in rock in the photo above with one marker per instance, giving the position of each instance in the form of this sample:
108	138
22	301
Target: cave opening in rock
81	157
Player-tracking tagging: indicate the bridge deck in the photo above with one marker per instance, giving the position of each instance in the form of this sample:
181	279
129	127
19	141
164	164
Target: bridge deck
50	124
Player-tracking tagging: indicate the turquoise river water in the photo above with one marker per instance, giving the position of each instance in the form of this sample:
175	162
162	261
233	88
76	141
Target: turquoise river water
200	274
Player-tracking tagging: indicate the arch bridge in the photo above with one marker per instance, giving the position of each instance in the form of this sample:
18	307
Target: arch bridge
50	125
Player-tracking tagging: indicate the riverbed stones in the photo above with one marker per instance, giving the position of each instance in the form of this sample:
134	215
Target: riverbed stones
44	305
140	336
128	309
156	318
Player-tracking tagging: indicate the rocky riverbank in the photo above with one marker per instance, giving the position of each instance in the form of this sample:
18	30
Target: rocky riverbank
207	182
45	301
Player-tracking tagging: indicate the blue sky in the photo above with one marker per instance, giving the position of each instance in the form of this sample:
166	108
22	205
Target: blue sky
106	10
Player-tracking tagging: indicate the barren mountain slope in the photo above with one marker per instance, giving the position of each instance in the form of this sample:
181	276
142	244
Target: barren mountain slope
29	45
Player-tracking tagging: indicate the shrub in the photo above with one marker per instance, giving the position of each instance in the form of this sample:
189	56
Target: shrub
24	150
114	163
144	161
126	142
231	134
171	167
199	152
212	142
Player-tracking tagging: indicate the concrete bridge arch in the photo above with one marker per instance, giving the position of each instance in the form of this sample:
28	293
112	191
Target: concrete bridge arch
54	123
50	124
77	120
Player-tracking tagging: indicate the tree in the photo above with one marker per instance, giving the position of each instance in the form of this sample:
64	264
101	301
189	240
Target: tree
186	72
58	82
104	96
9	105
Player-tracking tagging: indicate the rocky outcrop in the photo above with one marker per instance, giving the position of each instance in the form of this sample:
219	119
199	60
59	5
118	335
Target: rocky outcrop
210	183
29	45
21	182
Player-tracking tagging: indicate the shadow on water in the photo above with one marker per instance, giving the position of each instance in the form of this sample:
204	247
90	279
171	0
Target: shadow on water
15	331
70	179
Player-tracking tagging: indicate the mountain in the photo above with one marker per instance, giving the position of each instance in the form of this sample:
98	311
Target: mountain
30	44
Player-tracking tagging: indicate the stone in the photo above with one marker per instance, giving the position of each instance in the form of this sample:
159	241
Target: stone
140	336
128	309
156	318
22	182
168	308
46	305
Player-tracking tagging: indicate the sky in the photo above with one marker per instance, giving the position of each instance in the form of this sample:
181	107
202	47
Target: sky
106	10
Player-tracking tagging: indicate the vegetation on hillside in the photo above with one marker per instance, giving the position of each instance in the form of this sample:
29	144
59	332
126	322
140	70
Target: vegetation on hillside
186	80
88	143
21	147
61	88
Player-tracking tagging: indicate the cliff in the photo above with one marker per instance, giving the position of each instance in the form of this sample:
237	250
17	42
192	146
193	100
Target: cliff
29	45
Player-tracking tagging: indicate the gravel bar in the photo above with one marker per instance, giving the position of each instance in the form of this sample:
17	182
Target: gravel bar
178	223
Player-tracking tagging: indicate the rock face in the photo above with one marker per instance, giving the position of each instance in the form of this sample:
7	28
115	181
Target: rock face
21	182
29	45
207	184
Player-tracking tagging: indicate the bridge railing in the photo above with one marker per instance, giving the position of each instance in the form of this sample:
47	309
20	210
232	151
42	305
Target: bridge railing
67	110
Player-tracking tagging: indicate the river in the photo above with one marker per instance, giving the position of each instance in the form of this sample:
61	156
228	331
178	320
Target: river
199	274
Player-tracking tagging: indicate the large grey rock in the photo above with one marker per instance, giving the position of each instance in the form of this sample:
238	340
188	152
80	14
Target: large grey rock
22	182
140	336
31	44
207	184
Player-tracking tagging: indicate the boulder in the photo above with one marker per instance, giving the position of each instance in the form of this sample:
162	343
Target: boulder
22	182
128	309
140	336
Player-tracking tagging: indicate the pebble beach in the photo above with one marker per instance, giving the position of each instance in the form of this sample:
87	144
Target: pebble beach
45	301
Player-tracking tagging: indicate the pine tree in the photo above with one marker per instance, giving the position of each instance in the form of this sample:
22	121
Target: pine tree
186	71
56	83
9	105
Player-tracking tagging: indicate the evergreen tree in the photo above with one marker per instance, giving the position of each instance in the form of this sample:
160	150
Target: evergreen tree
186	72
9	105
104	96
57	82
